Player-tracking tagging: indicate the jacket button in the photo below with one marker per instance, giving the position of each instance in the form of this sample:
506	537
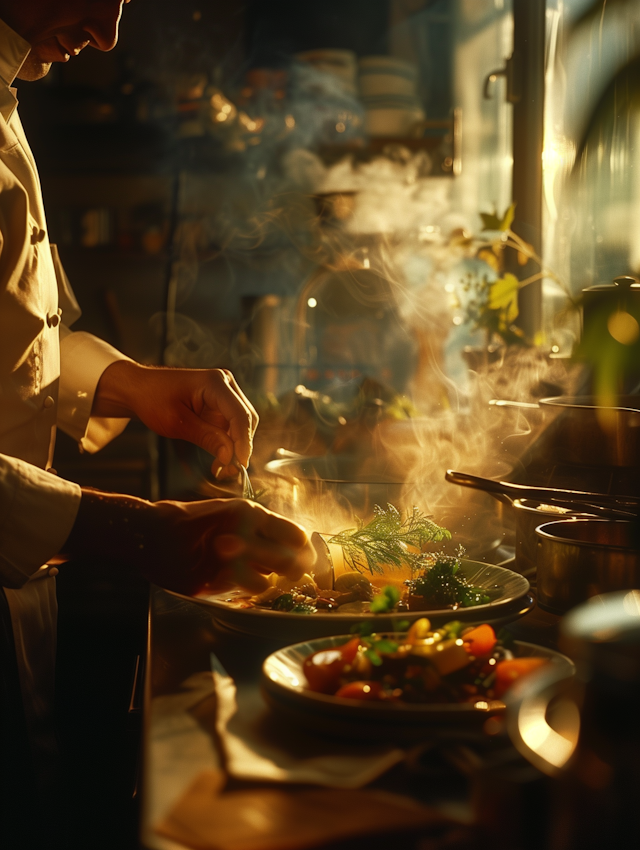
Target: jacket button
49	401
37	235
53	572
53	320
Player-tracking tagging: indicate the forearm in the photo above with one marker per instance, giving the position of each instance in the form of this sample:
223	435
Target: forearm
187	546
111	525
150	537
119	386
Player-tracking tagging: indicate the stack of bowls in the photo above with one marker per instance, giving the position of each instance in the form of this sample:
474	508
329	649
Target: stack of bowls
388	91
339	65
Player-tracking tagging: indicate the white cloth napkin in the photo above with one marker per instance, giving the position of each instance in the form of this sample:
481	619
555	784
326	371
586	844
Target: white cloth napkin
287	813
257	746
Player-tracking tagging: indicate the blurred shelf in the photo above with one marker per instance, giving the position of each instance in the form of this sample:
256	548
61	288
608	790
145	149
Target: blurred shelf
103	148
112	254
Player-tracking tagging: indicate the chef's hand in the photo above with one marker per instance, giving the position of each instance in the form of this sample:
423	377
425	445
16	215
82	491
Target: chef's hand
202	406
191	546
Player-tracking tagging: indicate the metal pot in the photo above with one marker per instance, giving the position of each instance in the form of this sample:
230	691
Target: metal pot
478	528
580	558
587	433
529	514
339	475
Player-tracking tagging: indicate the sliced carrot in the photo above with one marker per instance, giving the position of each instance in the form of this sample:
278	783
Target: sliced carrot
479	641
507	672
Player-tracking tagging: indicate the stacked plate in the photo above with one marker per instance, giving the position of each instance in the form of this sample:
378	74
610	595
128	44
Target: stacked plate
388	89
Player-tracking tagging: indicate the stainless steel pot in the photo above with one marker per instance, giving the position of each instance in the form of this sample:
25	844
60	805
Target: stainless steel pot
339	475
477	526
580	558
530	514
587	433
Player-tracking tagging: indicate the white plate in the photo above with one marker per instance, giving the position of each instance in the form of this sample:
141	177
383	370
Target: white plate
285	689
503	586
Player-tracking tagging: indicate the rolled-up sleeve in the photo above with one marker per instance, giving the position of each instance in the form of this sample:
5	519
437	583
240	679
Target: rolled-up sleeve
37	513
83	359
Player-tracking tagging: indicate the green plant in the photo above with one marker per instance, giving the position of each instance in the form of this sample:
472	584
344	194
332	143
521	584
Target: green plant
492	303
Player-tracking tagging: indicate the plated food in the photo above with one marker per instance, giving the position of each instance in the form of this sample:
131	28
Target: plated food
438	582
286	689
448	664
508	593
383	568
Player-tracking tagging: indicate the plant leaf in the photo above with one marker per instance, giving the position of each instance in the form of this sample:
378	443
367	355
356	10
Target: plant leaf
507	218
503	294
373	657
490	221
493	221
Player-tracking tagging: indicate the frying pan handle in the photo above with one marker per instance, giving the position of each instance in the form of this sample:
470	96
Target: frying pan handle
496	488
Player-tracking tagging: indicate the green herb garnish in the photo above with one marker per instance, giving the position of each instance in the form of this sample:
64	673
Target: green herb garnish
442	585
285	602
303	609
385	601
387	540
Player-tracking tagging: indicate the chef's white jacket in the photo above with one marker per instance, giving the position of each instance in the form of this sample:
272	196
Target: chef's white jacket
48	378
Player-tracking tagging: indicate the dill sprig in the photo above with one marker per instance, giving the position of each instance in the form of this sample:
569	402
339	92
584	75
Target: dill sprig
388	540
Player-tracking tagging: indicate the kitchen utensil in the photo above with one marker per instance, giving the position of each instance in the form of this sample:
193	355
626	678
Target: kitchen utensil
247	487
604	504
610	315
580	558
529	514
341	476
587	433
584	731
284	687
508	592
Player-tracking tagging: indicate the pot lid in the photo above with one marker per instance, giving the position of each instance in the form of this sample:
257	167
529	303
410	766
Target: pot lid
622	283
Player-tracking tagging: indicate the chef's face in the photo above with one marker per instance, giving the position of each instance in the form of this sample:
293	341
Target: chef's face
60	29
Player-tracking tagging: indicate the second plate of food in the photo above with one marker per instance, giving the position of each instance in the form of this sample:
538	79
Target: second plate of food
286	684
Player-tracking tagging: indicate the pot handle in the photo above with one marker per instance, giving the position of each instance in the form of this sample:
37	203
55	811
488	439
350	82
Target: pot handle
464	479
518	405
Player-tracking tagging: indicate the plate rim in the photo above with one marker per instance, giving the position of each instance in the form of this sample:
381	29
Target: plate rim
328	703
320	616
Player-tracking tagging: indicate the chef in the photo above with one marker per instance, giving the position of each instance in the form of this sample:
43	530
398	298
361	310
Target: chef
51	377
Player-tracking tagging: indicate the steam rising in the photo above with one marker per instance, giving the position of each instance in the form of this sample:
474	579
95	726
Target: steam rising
377	242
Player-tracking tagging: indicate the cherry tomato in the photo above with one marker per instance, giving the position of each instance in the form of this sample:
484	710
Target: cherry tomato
349	650
361	691
508	671
479	641
323	669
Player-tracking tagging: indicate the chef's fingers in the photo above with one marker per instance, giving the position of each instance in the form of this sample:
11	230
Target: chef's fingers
224	473
252	411
265	556
220	393
239	574
275	527
209	437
